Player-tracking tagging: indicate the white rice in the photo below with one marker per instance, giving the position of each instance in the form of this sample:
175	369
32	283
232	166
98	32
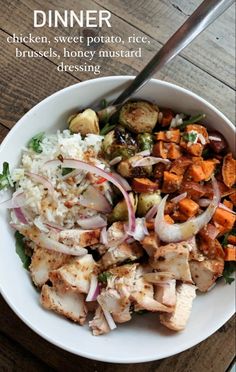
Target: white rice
40	205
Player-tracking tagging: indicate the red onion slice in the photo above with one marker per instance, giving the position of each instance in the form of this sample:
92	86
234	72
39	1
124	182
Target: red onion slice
93	289
115	160
109	319
103	236
122	181
54	226
18	200
183	231
180	197
94	222
43	180
20	216
149	160
222	206
93	198
77	164
140	229
203	202
144	153
214	138
152	212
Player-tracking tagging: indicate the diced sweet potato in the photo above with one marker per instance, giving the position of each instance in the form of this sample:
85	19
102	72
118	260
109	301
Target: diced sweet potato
209	232
143	185
168	219
202	170
228	204
233	198
195	173
158	170
211	248
174	151
160	150
172	135
208	167
179	216
230	253
194	190
229	170
197	128
180	165
223	219
171	182
149	224
168	115
232	239
194	149
188	207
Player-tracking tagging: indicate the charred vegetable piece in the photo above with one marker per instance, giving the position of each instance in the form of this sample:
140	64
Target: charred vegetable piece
146	201
119	142
144	185
217	142
145	141
126	169
139	116
84	122
120	212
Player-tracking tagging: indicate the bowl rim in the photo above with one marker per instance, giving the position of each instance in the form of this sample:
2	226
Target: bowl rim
139	359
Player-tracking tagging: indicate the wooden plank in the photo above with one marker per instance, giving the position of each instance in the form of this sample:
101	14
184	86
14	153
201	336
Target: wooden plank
25	84
213	354
14	358
3	132
213	51
18	19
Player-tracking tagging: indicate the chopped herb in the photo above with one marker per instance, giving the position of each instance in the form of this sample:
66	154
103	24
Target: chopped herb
20	250
190	137
66	171
103	277
192	120
103	104
5	177
225	239
229	268
106	129
35	142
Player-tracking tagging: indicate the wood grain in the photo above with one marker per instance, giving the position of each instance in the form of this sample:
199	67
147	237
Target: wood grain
161	21
23	84
14	357
210	355
18	17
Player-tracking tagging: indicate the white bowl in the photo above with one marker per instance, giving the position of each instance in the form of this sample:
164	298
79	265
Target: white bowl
141	339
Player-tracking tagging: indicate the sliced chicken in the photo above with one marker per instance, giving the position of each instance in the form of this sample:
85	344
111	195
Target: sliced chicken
79	237
150	244
121	253
115	232
69	303
143	295
75	274
165	293
99	324
118	306
174	259
206	272
194	251
43	261
178	319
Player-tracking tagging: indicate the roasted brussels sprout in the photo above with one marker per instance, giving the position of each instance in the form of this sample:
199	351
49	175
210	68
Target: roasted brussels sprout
146	201
120	212
119	142
139	117
85	122
145	141
126	169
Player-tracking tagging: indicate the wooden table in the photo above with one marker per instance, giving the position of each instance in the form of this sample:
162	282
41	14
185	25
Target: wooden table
207	68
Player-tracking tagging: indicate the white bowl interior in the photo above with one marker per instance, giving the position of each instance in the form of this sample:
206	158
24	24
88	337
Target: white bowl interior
142	339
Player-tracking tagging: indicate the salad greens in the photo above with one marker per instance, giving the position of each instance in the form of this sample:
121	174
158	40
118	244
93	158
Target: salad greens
103	277
5	177
190	137
35	142
20	250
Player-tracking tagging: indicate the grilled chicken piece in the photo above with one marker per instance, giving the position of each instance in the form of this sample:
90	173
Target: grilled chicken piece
79	237
74	275
99	324
194	251
174	259
43	261
115	232
117	305
150	244
121	253
177	320
142	294
69	303
206	272
165	293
